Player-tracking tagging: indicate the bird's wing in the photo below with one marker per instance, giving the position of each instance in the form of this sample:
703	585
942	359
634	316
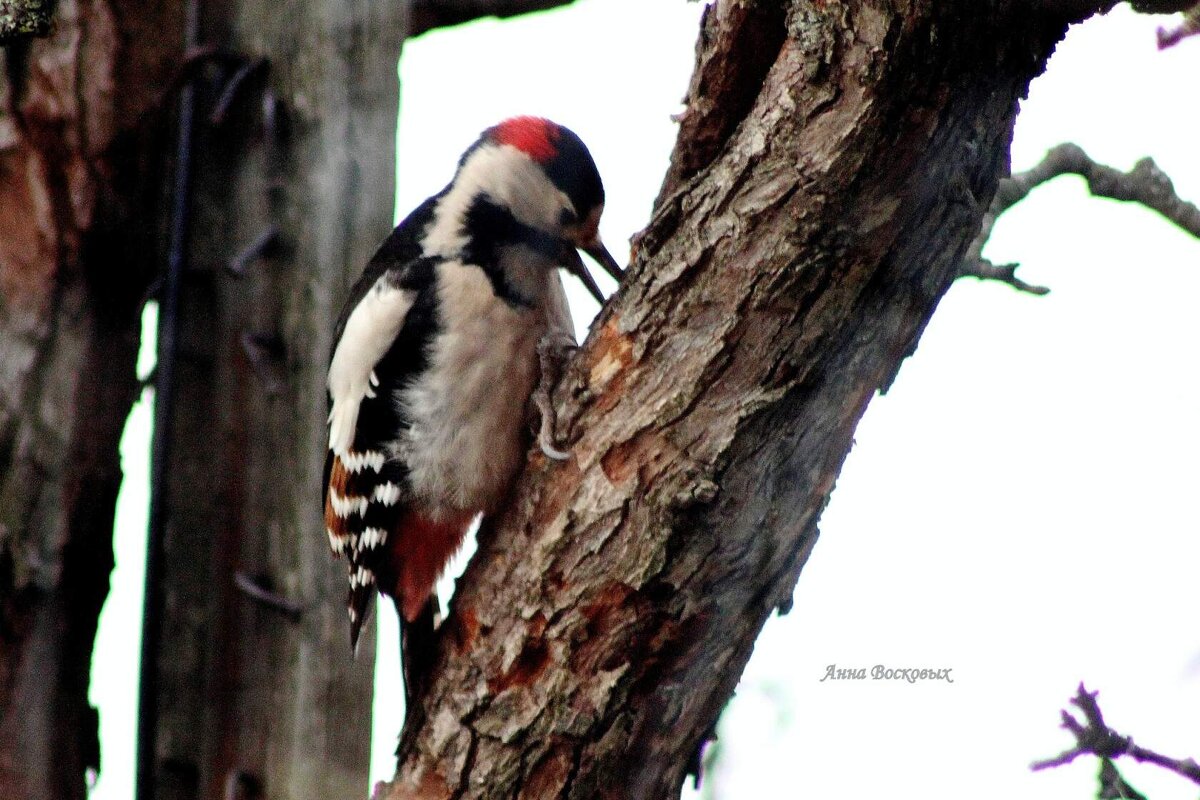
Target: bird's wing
361	509
379	343
371	329
363	484
384	342
400	255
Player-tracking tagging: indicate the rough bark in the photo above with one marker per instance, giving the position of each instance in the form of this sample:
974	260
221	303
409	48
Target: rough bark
77	245
832	169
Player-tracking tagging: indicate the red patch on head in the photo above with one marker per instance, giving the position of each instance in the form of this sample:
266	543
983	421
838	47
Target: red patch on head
531	135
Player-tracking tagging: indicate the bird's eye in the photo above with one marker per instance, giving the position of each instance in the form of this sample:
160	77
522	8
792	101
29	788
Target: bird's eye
567	217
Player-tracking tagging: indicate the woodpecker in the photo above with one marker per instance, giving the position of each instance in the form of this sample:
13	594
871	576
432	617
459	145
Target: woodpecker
436	357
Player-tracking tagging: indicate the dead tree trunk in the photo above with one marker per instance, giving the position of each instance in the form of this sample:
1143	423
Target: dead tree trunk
249	680
78	184
832	169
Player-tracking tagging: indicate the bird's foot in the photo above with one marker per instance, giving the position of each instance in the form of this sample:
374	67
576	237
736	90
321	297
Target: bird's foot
553	351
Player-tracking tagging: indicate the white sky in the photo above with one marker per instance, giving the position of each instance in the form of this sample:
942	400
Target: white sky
1020	508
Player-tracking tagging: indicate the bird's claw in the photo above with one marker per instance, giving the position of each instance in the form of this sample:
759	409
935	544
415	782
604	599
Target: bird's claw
552	353
548	449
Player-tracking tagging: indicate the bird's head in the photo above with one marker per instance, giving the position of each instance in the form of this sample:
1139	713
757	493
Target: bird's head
527	182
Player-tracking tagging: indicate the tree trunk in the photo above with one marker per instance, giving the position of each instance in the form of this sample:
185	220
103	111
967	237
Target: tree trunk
252	683
832	168
77	250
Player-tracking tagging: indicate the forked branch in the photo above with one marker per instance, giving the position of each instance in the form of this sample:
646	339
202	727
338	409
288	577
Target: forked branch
1145	184
1094	737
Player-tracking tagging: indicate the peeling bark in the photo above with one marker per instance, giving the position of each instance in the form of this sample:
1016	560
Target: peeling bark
822	195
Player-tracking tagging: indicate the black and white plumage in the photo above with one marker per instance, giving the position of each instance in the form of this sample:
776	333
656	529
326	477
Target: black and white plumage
435	357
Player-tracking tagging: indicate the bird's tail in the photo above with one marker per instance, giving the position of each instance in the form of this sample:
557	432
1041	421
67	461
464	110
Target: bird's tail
358	605
417	650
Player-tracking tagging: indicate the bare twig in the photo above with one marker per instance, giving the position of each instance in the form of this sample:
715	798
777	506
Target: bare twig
1145	184
1189	27
985	270
1113	785
1097	739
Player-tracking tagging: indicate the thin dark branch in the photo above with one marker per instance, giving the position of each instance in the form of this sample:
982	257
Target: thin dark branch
985	270
429	14
1145	184
1094	737
1189	27
1161	6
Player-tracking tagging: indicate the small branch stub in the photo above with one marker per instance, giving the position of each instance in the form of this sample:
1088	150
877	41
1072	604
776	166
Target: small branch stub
267	357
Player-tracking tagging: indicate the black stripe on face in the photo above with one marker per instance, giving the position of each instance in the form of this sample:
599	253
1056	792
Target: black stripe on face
490	228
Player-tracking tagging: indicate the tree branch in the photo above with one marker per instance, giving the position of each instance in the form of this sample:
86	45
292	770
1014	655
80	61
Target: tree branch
427	15
1145	184
1160	6
1079	10
985	270
1097	739
20	19
1189	27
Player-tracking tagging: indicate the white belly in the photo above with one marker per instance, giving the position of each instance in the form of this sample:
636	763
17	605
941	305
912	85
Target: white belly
468	412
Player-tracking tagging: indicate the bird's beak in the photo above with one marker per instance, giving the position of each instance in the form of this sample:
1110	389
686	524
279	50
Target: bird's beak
576	267
599	253
601	256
